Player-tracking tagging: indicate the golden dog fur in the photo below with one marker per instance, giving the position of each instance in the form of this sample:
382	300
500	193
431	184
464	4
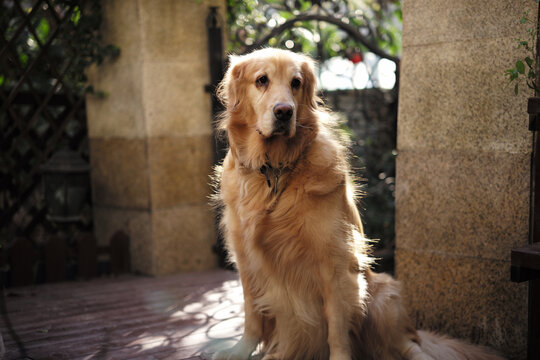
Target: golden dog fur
293	229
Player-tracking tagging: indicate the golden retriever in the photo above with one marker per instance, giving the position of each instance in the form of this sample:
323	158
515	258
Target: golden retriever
292	228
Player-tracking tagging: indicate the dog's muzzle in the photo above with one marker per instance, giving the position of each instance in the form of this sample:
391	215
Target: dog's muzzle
282	113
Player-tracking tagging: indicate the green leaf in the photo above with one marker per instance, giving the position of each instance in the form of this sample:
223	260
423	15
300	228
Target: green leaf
42	30
520	67
23	58
516	90
399	13
529	61
285	14
304	5
76	16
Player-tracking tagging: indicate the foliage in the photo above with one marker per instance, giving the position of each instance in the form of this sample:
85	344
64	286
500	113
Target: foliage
526	69
321	28
65	31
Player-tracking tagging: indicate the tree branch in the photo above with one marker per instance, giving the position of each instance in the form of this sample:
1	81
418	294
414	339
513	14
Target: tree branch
349	29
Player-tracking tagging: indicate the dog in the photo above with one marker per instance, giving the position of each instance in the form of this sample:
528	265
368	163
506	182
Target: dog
291	226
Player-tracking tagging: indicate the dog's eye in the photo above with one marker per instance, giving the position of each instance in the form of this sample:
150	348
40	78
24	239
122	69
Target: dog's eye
295	83
262	80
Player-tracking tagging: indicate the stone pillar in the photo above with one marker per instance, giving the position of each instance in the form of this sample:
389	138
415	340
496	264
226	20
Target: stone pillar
151	137
463	170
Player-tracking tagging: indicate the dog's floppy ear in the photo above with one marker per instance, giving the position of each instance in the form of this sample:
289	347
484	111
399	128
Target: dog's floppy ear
308	74
230	89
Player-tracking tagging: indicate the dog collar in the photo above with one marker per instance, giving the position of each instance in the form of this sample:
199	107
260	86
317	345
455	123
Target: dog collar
272	173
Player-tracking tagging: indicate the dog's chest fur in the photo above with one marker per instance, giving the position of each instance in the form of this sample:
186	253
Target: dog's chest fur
266	246
270	229
262	213
282	282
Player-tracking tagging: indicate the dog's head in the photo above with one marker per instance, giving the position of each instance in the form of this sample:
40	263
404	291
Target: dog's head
269	97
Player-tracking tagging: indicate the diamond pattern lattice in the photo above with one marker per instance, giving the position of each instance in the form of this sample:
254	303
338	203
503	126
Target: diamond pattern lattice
42	105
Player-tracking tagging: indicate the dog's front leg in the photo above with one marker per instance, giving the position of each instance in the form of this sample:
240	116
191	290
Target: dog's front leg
252	333
337	314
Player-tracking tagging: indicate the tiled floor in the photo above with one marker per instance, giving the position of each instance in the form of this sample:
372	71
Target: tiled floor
174	317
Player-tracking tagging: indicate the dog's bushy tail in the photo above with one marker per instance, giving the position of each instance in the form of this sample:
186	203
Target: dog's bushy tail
441	347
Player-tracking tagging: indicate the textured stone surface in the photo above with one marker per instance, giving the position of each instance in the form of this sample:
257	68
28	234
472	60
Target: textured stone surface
436	21
174	31
151	137
454	96
156	86
464	203
175	55
175	102
120	113
183	238
463	169
180	170
122	27
119	172
465	297
137	225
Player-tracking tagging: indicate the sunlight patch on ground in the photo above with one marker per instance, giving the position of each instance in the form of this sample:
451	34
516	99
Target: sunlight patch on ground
150	342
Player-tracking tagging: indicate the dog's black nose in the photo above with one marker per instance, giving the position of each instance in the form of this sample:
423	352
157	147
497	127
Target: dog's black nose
283	112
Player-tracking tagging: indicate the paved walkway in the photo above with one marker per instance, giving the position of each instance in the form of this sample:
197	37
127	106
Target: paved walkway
128	317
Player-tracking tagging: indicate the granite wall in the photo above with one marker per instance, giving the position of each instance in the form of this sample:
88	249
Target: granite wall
151	137
463	170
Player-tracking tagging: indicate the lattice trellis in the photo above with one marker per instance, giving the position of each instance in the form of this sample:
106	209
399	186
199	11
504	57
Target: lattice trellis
42	107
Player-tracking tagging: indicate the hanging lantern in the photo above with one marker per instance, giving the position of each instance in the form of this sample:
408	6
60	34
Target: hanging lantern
66	185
